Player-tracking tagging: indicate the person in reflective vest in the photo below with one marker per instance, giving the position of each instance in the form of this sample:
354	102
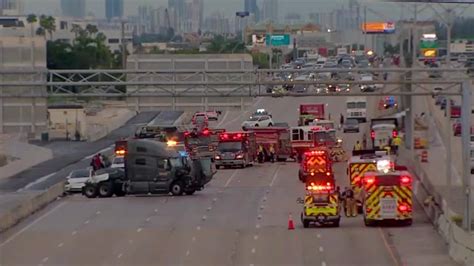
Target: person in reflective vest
397	141
357	146
271	149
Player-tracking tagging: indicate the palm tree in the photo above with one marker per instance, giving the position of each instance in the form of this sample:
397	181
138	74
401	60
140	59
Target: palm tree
31	19
92	29
76	29
48	24
41	32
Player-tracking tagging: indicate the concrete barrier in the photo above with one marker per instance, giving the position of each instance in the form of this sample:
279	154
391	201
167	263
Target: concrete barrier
460	242
30	205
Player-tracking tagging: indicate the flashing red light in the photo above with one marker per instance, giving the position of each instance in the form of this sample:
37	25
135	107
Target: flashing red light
314	153
372	134
403	208
369	180
120	152
328	173
405	180
394	134
316	129
186	133
205	132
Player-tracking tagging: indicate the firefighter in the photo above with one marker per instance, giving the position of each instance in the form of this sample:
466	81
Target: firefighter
364	141
341	121
357	146
271	150
261	154
397	141
387	148
350	203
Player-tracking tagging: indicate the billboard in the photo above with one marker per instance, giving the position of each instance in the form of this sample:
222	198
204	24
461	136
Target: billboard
258	39
378	27
277	39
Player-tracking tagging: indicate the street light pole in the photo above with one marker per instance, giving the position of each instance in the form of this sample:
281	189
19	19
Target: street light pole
465	138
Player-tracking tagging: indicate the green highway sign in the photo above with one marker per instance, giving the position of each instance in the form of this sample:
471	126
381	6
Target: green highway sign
428	44
277	40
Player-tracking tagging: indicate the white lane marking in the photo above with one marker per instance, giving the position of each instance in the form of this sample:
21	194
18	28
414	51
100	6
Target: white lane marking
193	239
156	210
148	219
45	259
86	222
60	245
275	175
119	256
253	250
209	208
37	181
139	230
255	237
32	224
387	246
74	233
318	235
323	263
230	179
214	199
97	212
259	217
262	207
257	226
321	249
204	217
264	199
130	241
251	265
187	253
223	119
198	228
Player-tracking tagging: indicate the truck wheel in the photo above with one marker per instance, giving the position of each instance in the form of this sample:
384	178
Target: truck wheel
90	191
305	223
177	188
408	222
336	223
120	192
368	222
106	190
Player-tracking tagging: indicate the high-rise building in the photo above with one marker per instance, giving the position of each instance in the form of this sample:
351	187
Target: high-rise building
113	9
270	10
73	8
217	23
194	10
176	10
11	7
252	8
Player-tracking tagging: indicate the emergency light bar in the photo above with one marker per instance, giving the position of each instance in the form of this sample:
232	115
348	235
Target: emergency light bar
120	152
315	153
384	166
314	187
232	136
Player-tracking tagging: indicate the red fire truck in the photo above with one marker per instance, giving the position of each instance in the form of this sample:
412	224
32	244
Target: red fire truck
304	138
316	165
279	137
236	148
199	143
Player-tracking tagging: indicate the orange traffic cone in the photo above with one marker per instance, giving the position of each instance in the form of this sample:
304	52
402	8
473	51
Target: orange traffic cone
291	225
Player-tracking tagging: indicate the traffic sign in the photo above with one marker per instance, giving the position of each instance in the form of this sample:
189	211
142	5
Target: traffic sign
277	40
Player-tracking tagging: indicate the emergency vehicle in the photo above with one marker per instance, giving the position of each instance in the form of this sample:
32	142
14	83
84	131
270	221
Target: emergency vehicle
361	162
236	149
199	143
304	138
316	165
321	205
383	131
387	194
279	137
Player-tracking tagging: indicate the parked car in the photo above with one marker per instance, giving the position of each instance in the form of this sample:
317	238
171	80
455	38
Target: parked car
76	180
350	125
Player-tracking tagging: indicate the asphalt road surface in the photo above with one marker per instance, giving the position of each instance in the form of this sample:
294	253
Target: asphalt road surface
241	218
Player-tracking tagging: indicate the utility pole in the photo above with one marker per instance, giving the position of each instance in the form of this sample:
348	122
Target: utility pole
124	47
365	30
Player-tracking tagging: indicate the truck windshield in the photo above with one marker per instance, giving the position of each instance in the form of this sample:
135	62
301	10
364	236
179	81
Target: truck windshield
176	162
229	146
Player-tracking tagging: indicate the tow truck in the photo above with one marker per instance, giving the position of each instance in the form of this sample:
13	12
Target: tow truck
236	149
316	164
361	162
151	167
388	194
321	205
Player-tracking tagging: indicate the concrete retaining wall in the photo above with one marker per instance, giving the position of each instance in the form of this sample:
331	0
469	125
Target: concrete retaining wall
461	243
30	205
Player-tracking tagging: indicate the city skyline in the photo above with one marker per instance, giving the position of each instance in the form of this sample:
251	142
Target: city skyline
73	8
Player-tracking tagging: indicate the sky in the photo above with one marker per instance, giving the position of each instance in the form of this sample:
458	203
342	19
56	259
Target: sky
228	7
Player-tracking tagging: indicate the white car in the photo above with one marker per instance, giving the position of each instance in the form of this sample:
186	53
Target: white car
76	180
118	162
258	121
213	115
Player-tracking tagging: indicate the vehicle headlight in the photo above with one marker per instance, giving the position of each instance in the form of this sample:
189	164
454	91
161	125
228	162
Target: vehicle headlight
239	156
217	157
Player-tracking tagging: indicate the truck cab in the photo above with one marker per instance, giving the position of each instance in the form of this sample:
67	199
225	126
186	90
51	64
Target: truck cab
236	149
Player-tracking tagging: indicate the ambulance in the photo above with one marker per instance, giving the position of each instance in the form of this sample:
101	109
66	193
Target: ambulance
315	165
387	194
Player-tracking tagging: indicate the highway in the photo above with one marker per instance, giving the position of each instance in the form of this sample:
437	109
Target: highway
239	219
